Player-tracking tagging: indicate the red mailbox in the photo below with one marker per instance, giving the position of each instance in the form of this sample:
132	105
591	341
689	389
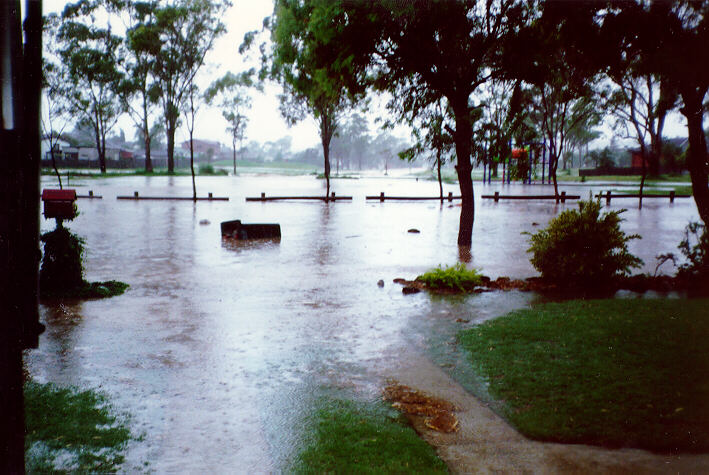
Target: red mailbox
59	204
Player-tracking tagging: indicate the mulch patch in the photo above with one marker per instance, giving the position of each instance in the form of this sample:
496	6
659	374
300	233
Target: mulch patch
438	413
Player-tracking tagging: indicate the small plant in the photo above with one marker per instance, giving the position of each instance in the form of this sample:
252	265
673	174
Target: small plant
695	249
456	277
62	272
61	268
582	248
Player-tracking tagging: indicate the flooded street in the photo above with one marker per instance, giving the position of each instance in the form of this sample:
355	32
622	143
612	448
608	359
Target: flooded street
218	349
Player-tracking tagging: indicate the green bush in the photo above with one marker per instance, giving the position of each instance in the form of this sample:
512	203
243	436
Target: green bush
61	267
456	277
695	249
210	170
582	248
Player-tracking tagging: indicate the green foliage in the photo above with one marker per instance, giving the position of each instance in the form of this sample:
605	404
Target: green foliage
210	170
62	273
582	248
603	159
362	437
62	267
456	277
76	427
694	272
519	167
89	290
695	248
609	372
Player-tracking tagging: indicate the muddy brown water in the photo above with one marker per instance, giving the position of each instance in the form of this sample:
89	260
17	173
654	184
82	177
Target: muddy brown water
218	349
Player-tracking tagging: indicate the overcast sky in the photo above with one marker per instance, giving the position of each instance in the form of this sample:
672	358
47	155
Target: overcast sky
265	121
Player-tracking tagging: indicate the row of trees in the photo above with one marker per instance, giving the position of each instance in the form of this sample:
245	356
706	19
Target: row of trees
473	75
93	75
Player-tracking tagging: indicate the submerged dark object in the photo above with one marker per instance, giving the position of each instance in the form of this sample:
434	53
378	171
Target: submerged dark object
237	230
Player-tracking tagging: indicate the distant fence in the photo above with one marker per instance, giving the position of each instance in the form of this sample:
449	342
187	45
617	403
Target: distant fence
382	197
608	195
561	197
326	198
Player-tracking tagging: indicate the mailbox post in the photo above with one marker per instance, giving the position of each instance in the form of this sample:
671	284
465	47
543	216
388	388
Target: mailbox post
59	204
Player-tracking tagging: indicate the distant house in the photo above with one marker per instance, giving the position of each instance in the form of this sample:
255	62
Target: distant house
202	147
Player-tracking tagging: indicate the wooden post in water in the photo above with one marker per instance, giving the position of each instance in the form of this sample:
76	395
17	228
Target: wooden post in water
381	197
672	196
563	197
608	197
450	196
497	196
135	195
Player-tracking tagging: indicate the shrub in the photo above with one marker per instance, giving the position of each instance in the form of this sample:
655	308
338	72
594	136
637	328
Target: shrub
583	248
456	277
695	249
61	268
210	170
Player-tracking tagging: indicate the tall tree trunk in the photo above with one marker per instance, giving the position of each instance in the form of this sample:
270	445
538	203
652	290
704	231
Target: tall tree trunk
102	153
326	155
194	186
170	148
438	167
233	149
54	164
146	137
148	159
693	110
19	217
643	153
327	130
463	135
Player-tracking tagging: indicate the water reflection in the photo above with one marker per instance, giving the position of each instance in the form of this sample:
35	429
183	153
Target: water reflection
219	347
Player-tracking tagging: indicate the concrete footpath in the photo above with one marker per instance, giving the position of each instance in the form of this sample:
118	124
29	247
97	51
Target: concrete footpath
485	443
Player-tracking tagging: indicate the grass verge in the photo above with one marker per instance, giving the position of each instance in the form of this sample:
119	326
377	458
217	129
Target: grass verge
618	373
679	189
363	437
71	431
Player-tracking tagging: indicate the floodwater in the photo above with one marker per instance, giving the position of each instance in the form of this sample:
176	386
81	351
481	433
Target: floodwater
217	350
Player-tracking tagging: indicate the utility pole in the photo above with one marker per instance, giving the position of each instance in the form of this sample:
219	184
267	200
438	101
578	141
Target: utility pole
20	89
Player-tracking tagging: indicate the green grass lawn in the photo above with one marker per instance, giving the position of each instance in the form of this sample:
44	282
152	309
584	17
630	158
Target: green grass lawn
629	178
69	430
619	373
679	189
363	437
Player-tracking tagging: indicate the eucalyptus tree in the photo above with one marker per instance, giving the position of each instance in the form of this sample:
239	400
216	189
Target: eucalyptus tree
665	39
301	61
423	50
139	91
55	115
639	105
91	52
177	42
669	40
562	77
430	131
231	94
190	107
